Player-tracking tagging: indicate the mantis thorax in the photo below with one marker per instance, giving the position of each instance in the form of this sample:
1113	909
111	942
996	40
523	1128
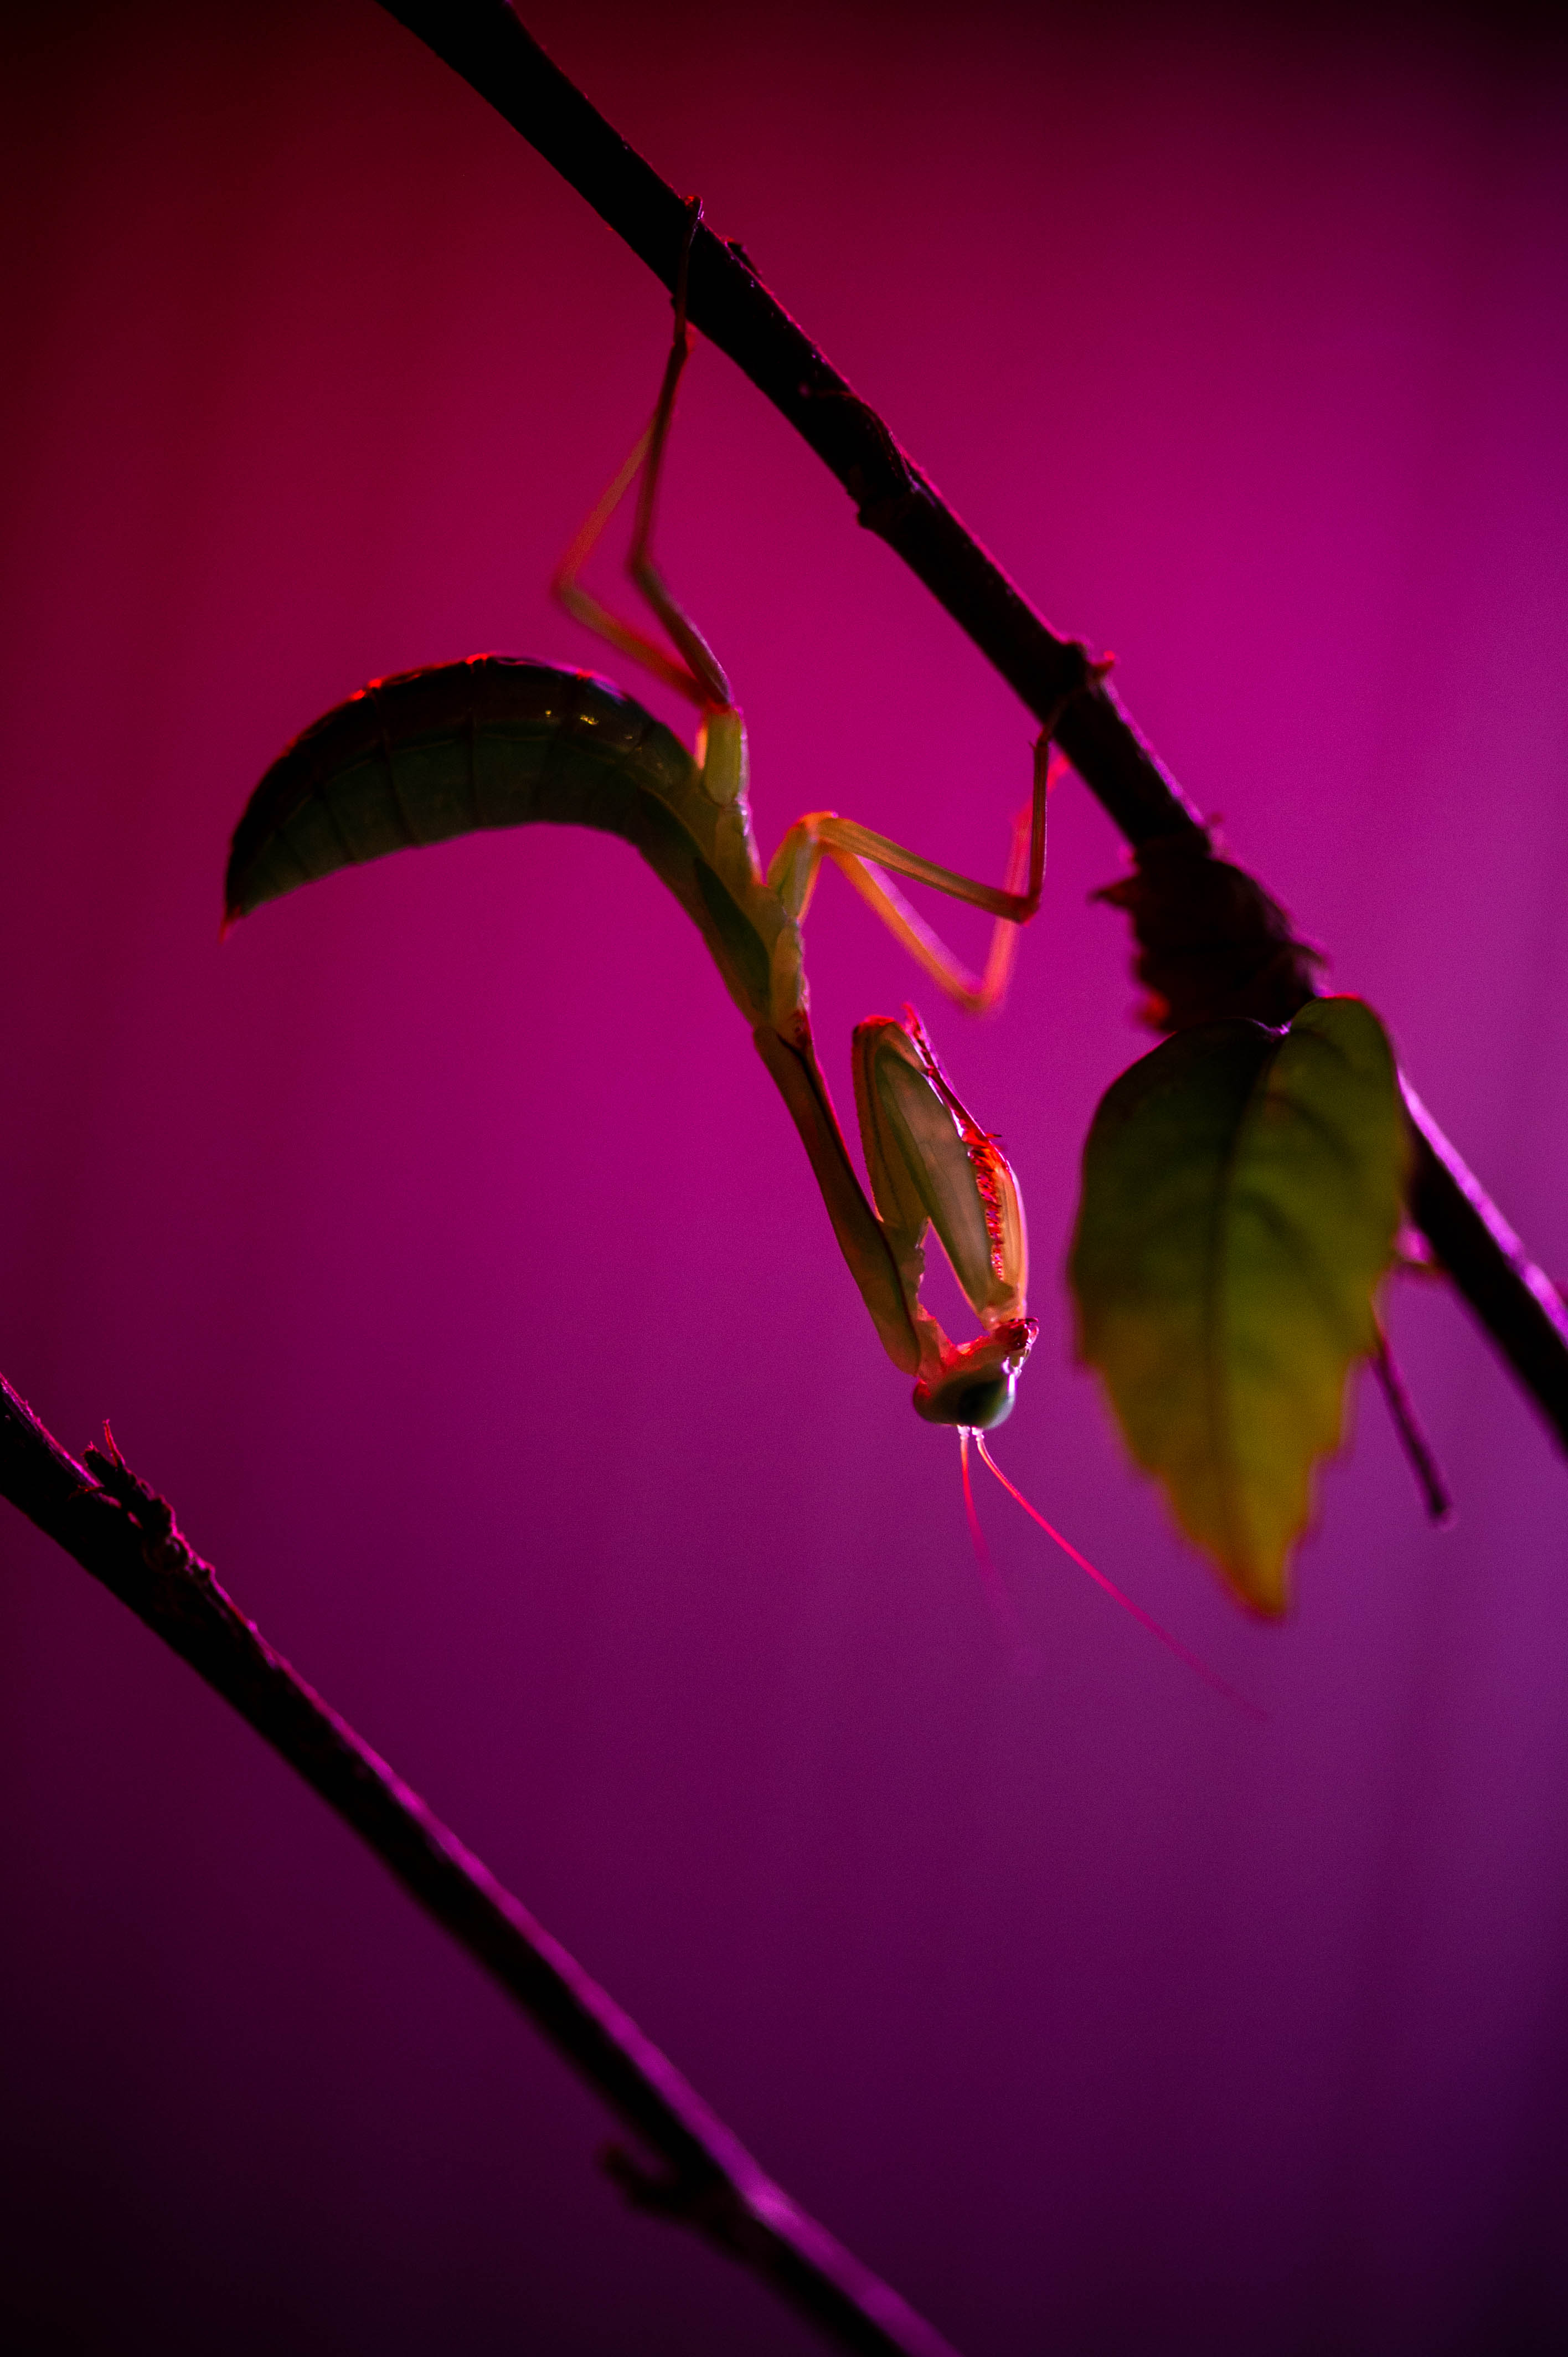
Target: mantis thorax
722	757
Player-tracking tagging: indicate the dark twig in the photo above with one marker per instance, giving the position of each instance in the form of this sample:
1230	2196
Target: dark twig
484	42
125	1535
1434	1492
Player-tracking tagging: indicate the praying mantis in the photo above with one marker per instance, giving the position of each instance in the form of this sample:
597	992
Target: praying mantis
499	741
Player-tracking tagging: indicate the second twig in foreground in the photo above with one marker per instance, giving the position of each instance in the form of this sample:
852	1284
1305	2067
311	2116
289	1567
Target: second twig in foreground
125	1535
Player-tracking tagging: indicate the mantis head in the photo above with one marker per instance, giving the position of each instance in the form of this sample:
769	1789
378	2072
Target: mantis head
972	1384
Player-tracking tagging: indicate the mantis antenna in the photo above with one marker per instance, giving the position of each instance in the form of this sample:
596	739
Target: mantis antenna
1145	1620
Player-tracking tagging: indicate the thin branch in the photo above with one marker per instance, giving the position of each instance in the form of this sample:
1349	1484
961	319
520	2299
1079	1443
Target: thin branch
125	1535
1435	1494
484	42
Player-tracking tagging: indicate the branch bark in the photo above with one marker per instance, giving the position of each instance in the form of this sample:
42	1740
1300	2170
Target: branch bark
121	1532
484	41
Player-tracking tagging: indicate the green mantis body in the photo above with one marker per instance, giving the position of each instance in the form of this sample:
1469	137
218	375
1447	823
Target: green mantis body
498	741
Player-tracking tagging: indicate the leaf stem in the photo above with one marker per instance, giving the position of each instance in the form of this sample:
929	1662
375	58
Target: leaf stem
1435	1493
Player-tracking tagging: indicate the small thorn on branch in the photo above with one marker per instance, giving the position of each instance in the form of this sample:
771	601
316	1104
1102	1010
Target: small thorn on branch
163	1547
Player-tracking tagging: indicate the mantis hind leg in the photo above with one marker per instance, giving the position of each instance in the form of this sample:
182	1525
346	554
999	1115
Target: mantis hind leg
698	674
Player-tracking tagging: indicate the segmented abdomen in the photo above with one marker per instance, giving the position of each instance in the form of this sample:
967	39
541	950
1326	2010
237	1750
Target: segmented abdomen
495	741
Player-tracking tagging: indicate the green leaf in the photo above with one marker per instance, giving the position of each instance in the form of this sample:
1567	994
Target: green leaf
1242	1188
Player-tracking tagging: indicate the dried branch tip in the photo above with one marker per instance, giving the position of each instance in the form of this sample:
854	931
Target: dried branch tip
163	1549
1211	944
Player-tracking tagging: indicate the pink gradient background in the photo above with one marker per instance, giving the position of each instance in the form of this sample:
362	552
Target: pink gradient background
440	1247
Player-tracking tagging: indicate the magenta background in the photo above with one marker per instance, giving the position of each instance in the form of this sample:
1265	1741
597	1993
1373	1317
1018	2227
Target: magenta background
440	1246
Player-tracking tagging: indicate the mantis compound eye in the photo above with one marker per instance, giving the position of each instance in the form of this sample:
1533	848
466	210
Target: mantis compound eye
976	1406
